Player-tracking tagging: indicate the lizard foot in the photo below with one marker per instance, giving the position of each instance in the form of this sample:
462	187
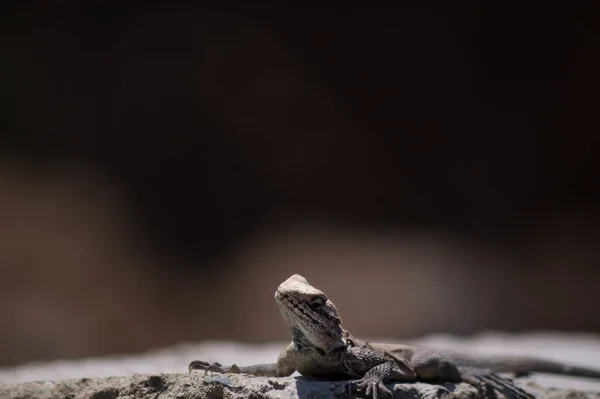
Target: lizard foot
213	367
373	386
484	379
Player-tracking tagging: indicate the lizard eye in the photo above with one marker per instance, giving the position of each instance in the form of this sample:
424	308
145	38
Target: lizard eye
317	302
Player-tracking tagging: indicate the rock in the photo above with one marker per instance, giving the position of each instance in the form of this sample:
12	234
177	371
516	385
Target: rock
198	386
163	374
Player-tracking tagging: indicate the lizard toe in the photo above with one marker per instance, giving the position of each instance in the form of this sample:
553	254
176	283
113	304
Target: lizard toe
373	387
369	391
360	384
484	379
198	365
215	367
383	389
378	389
508	386
363	384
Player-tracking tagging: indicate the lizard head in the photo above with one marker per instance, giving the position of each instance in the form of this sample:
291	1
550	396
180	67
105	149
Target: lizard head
309	313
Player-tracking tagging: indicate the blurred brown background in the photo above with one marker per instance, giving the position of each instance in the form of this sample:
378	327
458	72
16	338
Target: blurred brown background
164	166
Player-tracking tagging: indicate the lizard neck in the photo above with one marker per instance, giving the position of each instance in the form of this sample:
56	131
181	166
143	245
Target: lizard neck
304	346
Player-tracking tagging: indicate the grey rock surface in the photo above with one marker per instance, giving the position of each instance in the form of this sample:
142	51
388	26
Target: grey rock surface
163	374
180	386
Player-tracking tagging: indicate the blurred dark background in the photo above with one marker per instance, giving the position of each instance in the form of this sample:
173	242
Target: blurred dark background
165	165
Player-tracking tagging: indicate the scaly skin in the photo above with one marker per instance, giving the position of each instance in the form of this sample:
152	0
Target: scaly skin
322	348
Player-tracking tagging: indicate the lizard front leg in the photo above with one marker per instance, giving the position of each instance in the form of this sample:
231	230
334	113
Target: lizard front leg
375	370
373	380
260	370
283	368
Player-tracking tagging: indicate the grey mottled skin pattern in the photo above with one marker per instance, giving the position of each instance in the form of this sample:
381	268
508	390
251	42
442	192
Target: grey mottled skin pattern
322	348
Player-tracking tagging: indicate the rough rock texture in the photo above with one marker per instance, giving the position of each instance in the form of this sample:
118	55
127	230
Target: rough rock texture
165	377
180	386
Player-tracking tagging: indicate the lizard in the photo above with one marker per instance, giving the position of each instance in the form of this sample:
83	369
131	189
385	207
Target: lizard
321	348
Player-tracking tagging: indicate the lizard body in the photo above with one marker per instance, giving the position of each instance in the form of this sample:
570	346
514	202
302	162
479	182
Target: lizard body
321	348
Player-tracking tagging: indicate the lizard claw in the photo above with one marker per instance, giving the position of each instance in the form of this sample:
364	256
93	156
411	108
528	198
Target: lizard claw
212	367
373	386
198	365
484	379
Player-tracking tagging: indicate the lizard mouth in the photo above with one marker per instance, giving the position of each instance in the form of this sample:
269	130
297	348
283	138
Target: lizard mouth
278	295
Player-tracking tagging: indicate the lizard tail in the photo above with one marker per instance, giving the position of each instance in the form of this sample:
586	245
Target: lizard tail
547	366
524	365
